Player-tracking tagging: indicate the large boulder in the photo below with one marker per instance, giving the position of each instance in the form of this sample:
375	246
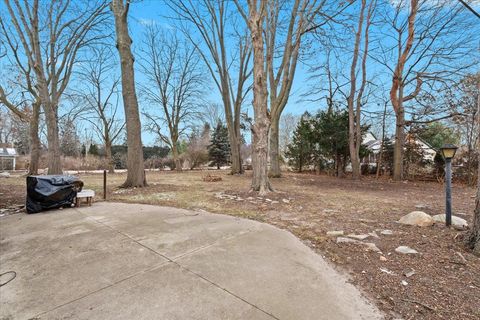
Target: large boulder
417	218
4	175
457	222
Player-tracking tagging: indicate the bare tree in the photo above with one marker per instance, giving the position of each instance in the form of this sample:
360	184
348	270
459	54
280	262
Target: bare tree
354	100
100	96
209	19
136	173
264	21
288	123
6	128
474	237
261	125
213	113
175	86
325	82
51	35
30	115
282	53
428	44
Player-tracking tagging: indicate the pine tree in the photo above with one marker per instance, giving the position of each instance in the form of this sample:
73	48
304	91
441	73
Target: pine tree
219	148
93	150
299	152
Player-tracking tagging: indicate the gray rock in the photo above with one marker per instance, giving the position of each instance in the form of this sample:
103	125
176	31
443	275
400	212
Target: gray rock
347	240
335	233
405	250
358	236
417	218
285	201
4	174
457	222
420	206
372	246
385	270
373	234
386	232
409	272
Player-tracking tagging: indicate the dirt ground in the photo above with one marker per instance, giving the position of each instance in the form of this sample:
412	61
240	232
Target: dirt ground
442	281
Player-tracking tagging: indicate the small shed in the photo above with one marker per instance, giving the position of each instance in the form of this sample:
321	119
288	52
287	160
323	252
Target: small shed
7	158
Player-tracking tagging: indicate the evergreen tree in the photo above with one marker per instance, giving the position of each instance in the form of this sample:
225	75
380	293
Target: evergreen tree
321	140
83	152
219	148
299	151
331	134
93	149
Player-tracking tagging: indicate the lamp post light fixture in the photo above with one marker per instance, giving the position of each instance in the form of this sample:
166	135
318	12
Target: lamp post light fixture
448	152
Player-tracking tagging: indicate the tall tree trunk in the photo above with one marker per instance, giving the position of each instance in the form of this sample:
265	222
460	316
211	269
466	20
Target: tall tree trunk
353	139
396	93
54	154
274	148
398	150
380	156
233	127
34	140
235	158
176	158
474	237
108	156
261	125
136	173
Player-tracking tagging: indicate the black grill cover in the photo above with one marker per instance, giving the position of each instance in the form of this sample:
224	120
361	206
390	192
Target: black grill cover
49	192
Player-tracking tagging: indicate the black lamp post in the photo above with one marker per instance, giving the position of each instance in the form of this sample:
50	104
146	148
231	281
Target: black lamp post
448	152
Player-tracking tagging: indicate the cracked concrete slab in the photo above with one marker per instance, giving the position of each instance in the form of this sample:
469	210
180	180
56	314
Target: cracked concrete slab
129	261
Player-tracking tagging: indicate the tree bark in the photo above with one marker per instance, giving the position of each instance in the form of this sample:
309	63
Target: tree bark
54	154
396	93
176	159
261	125
474	237
353	139
234	139
275	171
34	140
380	156
136	172
398	150
108	156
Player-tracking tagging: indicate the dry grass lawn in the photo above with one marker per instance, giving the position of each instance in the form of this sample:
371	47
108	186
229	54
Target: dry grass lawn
446	279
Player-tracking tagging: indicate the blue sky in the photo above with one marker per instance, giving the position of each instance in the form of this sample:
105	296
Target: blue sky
146	12
155	12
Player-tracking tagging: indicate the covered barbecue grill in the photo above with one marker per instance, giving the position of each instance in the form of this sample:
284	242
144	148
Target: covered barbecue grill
51	191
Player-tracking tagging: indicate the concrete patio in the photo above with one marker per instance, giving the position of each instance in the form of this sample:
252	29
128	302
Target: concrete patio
130	261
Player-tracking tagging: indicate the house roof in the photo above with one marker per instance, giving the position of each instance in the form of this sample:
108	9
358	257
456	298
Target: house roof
8	152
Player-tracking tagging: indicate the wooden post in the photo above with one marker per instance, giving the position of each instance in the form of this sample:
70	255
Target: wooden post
104	184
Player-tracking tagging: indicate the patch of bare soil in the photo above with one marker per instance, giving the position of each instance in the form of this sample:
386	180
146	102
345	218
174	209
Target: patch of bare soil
12	198
441	281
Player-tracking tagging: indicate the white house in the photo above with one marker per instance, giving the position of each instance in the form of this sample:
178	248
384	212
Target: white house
374	146
7	158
